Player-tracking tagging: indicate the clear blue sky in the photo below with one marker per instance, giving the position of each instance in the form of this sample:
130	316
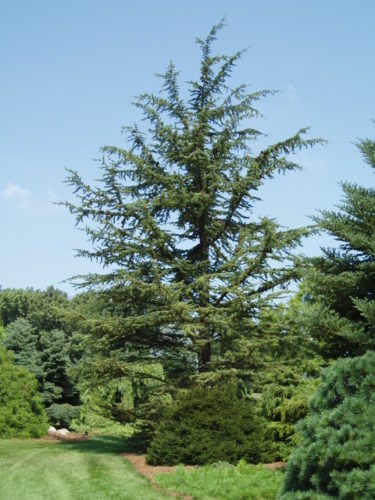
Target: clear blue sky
69	71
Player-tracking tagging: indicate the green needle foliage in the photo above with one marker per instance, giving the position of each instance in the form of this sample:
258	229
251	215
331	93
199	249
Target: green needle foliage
341	284
288	372
40	334
284	403
61	415
205	426
47	355
21	340
335	455
21	410
188	265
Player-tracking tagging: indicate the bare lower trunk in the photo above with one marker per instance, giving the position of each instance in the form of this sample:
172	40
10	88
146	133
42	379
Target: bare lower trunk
204	357
204	352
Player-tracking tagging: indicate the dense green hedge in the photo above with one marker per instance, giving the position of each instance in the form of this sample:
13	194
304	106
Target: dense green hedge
21	410
203	426
336	451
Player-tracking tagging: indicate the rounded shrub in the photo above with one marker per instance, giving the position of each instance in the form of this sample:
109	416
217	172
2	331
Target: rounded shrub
335	455
21	410
61	415
204	426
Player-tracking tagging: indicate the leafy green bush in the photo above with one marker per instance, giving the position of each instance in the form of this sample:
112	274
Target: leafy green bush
92	421
209	425
62	415
336	451
21	410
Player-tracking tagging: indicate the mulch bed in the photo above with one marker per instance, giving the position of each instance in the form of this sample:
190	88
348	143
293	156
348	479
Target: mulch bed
72	436
139	462
140	465
275	465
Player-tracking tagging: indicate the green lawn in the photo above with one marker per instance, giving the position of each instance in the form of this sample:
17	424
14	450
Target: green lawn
94	469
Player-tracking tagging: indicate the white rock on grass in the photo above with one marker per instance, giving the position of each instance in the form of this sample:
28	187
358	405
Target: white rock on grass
62	432
51	430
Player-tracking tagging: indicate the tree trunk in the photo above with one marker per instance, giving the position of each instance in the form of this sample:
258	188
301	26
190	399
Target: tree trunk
204	357
204	352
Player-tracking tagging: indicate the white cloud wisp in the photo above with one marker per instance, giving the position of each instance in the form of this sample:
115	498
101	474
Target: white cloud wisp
17	194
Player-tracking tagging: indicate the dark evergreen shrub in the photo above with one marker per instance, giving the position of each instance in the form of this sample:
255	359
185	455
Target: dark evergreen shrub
21	410
208	425
61	415
335	455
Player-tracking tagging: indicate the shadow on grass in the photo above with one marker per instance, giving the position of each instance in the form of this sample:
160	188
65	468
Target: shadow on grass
106	444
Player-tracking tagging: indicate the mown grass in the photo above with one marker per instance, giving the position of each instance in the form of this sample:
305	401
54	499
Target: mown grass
86	470
224	482
94	469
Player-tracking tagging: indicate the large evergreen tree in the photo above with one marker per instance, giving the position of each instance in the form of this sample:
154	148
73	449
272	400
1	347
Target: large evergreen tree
341	283
188	267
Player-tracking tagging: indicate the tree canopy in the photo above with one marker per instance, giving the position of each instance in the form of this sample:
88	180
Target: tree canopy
341	283
188	266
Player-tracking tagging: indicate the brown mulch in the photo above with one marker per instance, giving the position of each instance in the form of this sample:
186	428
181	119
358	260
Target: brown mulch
72	436
275	465
139	462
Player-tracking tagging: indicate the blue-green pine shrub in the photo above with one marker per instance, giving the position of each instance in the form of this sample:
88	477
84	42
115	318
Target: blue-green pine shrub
335	455
61	415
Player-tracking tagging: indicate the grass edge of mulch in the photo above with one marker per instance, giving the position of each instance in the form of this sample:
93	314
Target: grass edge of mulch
138	461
